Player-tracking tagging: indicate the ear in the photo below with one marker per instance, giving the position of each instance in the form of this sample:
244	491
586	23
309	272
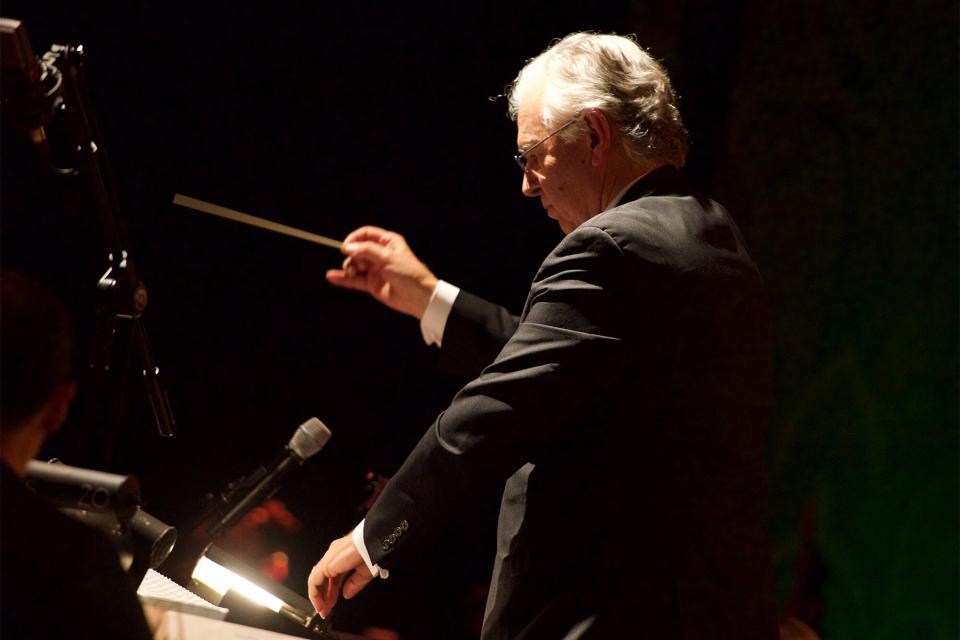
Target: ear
58	406
601	137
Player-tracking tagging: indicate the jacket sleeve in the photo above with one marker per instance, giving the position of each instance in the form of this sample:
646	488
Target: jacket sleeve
547	378
475	332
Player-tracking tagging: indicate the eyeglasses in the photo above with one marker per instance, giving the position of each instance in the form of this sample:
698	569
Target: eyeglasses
521	158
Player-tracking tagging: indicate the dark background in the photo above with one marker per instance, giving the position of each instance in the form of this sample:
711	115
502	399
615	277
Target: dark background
828	129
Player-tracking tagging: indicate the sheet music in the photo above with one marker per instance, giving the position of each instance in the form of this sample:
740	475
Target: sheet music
183	626
159	590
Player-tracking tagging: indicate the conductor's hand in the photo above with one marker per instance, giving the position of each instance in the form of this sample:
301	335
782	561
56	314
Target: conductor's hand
380	263
340	565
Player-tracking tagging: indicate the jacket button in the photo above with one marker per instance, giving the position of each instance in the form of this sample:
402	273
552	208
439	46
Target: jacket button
391	539
397	532
385	547
404	525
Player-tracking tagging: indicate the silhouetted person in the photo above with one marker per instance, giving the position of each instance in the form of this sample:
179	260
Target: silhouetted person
58	577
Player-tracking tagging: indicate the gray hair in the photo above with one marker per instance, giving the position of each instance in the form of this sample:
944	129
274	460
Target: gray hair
614	74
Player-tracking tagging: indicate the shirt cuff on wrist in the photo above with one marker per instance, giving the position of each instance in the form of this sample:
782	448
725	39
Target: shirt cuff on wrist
434	319
357	537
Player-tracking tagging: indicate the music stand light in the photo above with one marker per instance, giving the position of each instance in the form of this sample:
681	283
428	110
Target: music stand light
217	573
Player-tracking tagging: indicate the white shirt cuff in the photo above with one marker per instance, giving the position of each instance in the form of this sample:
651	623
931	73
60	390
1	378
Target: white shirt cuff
434	319
357	537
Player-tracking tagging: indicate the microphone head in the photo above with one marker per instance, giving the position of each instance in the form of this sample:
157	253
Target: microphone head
309	438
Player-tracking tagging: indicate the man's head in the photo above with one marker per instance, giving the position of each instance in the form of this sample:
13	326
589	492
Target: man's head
35	367
613	114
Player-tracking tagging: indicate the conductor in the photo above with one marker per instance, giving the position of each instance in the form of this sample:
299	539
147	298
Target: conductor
622	414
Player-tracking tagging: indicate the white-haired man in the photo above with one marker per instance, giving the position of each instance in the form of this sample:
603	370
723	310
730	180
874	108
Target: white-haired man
622	414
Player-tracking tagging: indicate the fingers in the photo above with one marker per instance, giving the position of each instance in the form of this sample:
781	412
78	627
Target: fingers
341	562
370	233
353	274
369	252
375	248
323	590
340	278
356	582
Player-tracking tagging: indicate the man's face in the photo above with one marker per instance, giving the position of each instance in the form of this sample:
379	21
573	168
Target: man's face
558	172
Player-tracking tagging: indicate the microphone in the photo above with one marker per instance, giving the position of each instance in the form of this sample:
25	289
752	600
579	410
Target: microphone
307	440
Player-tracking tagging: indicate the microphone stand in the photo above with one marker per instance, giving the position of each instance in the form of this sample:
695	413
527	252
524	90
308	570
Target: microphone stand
121	296
224	503
213	506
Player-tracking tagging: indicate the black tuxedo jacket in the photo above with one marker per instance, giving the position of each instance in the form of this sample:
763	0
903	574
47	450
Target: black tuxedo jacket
622	416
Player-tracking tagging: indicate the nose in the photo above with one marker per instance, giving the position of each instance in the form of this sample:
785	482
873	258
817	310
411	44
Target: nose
531	184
